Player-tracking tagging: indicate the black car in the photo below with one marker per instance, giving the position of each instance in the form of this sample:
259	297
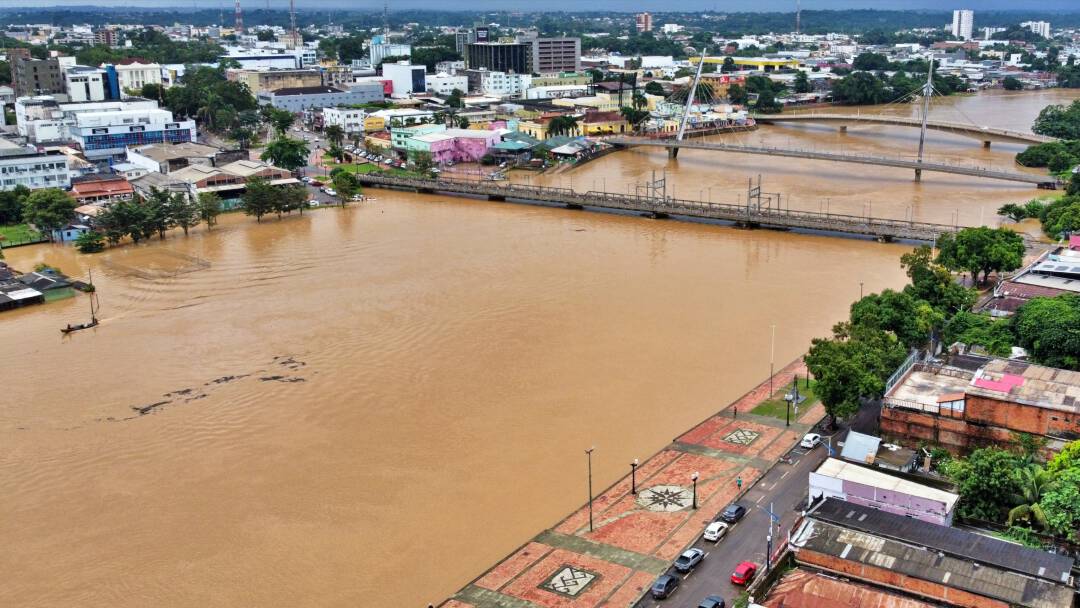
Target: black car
712	601
733	513
665	586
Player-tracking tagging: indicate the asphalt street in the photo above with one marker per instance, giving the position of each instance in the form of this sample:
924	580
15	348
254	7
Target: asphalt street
785	486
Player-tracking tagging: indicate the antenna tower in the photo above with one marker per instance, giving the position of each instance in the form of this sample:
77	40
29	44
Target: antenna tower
292	24
239	18
798	15
386	19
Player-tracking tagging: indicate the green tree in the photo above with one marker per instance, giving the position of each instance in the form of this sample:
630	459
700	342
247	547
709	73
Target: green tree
286	153
859	88
422	162
893	311
634	117
1032	483
802	82
983	479
1061	216
281	120
654	88
11	204
48	209
981	330
1060	162
454	100
563	125
1012	211
737	95
183	212
1059	121
346	186
871	62
258	198
294	197
1068	457
90	242
767	104
1061	504
728	66
1012	83
335	152
933	283
852	365
335	134
1049	328
124	218
209	207
981	249
463	122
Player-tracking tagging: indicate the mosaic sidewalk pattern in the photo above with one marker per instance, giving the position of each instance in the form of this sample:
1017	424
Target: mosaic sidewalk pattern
635	537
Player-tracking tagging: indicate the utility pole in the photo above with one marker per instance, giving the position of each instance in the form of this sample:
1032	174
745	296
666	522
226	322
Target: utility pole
588	454
689	102
928	90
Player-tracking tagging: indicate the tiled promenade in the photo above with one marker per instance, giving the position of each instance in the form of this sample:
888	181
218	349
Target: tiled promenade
635	538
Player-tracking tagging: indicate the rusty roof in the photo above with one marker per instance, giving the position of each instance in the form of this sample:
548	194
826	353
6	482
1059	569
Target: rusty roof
802	589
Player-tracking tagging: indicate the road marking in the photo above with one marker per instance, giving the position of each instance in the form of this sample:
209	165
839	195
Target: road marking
785	474
706	555
758	501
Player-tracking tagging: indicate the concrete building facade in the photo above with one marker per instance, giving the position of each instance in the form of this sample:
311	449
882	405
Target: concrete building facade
271	79
498	57
307	98
407	79
25	166
37	77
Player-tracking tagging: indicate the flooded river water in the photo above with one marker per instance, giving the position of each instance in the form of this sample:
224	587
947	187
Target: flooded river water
367	407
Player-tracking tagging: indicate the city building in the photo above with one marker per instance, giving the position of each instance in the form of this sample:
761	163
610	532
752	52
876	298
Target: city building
272	79
552	55
965	401
444	84
865	486
453	145
399	135
498	57
101	190
962	23
107	36
132	74
165	157
643	22
1041	28
37	77
306	98
498	84
83	84
450	67
103	135
44	119
942	565
379	52
759	64
407	78
25	166
351	120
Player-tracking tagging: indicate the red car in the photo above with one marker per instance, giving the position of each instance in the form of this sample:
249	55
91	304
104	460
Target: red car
743	573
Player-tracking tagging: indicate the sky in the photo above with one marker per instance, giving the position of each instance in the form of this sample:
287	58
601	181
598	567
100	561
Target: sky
571	5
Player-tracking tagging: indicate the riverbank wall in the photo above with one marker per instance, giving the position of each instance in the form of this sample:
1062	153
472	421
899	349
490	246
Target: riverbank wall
640	523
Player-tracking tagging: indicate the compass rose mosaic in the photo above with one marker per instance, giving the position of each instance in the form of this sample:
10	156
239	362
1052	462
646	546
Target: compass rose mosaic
742	437
665	498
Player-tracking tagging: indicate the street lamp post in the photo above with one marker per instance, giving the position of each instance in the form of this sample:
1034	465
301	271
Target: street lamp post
772	358
633	476
588	454
694	479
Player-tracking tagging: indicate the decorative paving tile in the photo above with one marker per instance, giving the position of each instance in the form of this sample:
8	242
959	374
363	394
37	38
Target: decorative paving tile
665	499
742	437
570	581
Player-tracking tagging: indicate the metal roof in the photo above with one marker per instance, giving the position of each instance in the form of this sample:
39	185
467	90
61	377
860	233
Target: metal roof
875	553
860	448
876	478
952	541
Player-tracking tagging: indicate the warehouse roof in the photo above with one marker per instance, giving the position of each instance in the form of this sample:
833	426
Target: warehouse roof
953	541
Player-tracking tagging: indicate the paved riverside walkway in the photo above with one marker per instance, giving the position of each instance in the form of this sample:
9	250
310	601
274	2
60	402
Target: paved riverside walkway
635	538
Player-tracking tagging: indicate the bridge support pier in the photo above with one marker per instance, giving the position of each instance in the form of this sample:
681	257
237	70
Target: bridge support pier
496	197
986	143
673	153
843	128
574	206
918	175
657	215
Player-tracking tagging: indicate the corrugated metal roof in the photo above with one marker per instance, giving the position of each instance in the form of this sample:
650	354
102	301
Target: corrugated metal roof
952	541
877	478
860	448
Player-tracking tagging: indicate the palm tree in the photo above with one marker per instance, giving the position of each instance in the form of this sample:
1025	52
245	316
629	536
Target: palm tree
563	125
335	134
286	153
1033	481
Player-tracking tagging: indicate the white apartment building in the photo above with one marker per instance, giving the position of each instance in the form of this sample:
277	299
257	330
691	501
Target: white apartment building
42	119
132	76
102	135
25	166
450	67
85	84
963	21
504	84
406	78
444	84
1041	28
351	120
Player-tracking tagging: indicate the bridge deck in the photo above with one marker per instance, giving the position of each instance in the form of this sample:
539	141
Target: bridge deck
780	218
1027	178
975	131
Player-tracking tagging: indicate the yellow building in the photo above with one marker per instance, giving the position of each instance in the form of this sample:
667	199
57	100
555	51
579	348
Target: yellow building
604	123
760	64
267	79
374	123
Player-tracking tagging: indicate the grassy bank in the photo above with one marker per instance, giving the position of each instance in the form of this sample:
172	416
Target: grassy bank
18	233
776	407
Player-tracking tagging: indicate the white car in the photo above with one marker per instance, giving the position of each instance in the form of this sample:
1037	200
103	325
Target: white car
388	161
716	531
330	192
810	441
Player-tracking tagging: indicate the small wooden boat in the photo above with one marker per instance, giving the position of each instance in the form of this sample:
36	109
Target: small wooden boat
92	292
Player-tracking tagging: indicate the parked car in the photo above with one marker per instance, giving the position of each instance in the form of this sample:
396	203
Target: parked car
315	182
744	573
664	586
306	179
689	559
733	513
810	441
330	191
712	601
716	531
357	197
388	161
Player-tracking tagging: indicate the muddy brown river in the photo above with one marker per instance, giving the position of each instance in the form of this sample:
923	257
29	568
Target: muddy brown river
369	406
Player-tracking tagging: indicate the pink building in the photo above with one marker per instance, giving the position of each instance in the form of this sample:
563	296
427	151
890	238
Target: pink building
873	488
455	145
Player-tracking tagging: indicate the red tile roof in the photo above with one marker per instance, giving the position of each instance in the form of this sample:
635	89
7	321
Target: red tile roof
110	187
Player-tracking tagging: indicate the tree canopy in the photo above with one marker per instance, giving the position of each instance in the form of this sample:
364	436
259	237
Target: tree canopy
1049	328
1059	121
981	249
48	209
